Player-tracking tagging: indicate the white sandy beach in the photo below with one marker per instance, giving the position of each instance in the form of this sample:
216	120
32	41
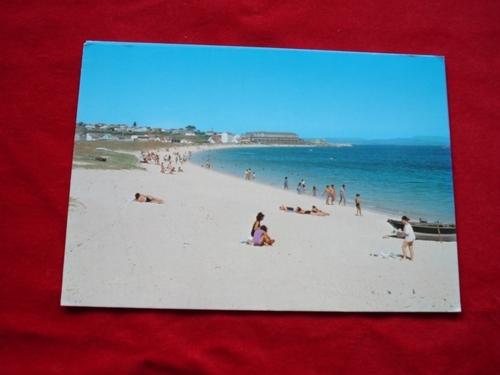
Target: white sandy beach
187	253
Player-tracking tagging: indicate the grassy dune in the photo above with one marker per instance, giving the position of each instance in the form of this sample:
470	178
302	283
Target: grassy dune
118	157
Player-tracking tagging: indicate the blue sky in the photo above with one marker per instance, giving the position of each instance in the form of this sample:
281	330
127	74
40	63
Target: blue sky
238	89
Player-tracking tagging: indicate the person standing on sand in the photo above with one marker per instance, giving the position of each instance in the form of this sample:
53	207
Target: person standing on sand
327	193
357	201
334	193
409	238
342	195
314	191
285	184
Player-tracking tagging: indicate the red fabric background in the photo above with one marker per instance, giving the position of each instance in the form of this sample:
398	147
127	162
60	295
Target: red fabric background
41	46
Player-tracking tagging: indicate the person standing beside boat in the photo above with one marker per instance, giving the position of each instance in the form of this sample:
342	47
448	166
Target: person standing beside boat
409	238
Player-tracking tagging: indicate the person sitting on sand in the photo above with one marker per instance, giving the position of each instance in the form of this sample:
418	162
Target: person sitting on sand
357	201
256	224
409	238
143	198
261	238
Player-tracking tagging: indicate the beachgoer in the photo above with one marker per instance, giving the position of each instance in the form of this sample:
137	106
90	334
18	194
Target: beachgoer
253	175
317	212
285	184
409	238
357	201
299	188
342	195
287	208
333	193
256	224
261	238
144	198
327	193
314	192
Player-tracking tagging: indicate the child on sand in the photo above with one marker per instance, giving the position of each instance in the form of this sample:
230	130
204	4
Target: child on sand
261	238
357	201
256	224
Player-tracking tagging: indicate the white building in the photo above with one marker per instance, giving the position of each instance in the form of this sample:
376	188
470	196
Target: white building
226	137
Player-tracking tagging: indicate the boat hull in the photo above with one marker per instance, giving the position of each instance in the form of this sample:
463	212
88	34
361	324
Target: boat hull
429	231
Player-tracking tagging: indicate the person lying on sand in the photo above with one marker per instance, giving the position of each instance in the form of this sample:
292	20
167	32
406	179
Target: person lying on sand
314	211
143	198
261	238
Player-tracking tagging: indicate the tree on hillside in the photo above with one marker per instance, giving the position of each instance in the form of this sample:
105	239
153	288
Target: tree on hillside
134	124
191	127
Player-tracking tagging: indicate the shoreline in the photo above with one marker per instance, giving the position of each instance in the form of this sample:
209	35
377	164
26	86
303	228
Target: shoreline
188	252
366	207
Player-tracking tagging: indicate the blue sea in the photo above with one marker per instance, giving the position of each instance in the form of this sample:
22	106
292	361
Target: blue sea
411	180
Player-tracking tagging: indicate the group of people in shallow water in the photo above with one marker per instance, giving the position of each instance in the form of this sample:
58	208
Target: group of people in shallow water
330	193
249	174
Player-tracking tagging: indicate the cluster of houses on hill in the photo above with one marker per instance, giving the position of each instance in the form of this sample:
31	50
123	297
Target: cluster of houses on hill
188	134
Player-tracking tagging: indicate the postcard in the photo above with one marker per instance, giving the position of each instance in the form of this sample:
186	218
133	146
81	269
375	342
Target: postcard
239	178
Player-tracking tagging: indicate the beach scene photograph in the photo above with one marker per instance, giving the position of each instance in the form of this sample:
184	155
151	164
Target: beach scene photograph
243	178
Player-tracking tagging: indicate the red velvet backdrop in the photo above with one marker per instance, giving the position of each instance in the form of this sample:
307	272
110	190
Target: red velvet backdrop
39	75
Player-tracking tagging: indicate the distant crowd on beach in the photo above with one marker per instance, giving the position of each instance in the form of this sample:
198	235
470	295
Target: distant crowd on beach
170	163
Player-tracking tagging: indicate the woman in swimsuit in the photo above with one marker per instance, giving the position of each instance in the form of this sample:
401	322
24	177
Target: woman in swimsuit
143	198
256	224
